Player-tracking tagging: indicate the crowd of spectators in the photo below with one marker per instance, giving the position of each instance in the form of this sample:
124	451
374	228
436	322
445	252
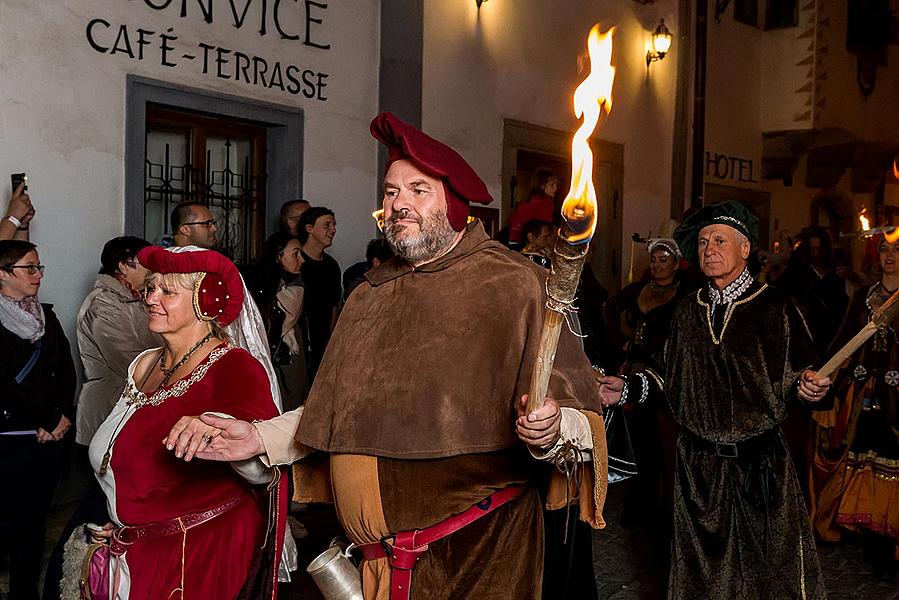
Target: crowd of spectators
299	289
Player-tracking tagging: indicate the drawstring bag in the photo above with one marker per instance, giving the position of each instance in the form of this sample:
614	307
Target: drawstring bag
622	459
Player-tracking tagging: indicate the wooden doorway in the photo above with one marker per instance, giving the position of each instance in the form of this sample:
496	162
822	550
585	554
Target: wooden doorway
527	147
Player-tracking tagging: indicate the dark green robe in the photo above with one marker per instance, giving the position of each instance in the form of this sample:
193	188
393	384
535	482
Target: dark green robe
730	378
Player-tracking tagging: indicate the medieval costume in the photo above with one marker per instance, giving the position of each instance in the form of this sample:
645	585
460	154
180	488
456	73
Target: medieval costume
644	310
855	469
416	400
733	360
191	529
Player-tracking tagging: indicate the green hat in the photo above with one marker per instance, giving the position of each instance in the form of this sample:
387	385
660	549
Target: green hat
726	212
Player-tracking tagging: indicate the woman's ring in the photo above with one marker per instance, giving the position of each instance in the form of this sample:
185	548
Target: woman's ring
207	439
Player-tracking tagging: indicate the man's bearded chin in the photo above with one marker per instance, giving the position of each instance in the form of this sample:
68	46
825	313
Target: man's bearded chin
433	238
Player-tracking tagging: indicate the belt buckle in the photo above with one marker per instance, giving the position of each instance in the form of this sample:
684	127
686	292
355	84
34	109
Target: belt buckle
387	546
726	450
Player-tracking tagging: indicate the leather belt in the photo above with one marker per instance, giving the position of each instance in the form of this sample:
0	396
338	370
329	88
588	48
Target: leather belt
754	446
124	537
408	546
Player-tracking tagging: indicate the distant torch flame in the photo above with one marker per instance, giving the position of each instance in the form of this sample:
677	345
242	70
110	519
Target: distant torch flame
378	216
863	219
579	210
892	236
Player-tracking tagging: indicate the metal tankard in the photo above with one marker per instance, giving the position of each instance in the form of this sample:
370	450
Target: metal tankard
335	575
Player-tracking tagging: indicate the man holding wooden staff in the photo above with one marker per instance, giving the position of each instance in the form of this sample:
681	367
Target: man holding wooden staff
737	355
420	399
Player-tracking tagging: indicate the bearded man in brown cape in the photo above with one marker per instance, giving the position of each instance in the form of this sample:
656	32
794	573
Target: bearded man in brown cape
738	354
419	401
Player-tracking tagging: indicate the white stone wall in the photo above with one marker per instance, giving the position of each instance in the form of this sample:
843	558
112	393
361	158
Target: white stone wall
519	60
62	111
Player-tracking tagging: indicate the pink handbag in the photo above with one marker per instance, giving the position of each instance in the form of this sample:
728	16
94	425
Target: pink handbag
95	573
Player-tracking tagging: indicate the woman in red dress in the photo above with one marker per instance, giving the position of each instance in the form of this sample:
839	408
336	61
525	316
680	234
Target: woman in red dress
188	529
538	206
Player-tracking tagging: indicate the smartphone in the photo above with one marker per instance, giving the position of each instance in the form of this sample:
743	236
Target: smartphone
17	180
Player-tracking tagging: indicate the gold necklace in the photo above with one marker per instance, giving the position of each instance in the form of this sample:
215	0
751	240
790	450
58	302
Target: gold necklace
169	372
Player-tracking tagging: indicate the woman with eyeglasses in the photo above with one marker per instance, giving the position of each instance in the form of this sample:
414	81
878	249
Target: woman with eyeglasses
277	288
37	389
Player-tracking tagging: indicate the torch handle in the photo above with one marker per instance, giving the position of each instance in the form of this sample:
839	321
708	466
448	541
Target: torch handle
546	355
848	350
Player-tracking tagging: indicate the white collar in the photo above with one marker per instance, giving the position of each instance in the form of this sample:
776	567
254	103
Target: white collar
734	289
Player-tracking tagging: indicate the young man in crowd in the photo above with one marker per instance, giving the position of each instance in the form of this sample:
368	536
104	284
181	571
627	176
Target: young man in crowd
321	276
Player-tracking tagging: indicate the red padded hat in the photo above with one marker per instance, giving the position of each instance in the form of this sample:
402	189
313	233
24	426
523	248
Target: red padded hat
461	184
218	294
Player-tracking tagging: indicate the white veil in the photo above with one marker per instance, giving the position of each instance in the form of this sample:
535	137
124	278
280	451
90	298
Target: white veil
248	332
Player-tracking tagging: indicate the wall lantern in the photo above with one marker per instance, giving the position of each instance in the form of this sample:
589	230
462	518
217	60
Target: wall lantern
661	44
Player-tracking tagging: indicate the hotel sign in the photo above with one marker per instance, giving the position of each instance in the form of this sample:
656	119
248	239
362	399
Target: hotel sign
732	168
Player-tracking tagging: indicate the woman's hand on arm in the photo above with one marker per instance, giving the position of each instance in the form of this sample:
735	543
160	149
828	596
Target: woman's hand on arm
188	436
214	438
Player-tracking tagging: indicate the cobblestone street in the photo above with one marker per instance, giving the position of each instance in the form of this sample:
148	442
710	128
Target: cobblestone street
627	565
624	561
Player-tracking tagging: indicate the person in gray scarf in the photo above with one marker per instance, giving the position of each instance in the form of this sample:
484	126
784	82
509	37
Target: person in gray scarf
37	389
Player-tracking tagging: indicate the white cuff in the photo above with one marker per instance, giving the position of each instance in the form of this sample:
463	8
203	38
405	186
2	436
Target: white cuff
279	438
574	428
14	221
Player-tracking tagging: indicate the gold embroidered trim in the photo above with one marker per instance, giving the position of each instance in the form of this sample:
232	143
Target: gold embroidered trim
886	469
655	377
730	310
137	399
197	310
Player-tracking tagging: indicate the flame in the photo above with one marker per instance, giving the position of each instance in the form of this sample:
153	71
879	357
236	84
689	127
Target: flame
378	216
579	210
896	167
863	219
891	236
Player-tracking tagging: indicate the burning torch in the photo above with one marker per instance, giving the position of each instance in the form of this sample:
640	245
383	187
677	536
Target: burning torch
579	211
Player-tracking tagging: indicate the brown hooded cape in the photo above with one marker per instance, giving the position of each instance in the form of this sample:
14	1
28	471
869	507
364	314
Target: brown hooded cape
416	401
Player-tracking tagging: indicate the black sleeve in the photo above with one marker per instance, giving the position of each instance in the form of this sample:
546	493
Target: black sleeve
64	379
12	396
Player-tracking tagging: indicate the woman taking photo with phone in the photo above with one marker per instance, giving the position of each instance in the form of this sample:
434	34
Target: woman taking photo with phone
37	389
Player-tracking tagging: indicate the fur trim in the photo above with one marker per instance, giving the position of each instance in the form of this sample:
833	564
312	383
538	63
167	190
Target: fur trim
74	552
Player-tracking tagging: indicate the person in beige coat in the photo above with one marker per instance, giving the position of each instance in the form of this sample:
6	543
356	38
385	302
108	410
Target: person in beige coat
112	330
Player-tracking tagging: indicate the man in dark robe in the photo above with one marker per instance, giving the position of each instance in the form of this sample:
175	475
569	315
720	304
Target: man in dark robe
418	401
737	356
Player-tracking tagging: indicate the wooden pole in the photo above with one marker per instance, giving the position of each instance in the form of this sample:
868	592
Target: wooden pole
561	286
882	317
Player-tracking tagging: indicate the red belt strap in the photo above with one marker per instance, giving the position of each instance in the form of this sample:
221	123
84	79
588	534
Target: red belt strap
408	546
127	535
